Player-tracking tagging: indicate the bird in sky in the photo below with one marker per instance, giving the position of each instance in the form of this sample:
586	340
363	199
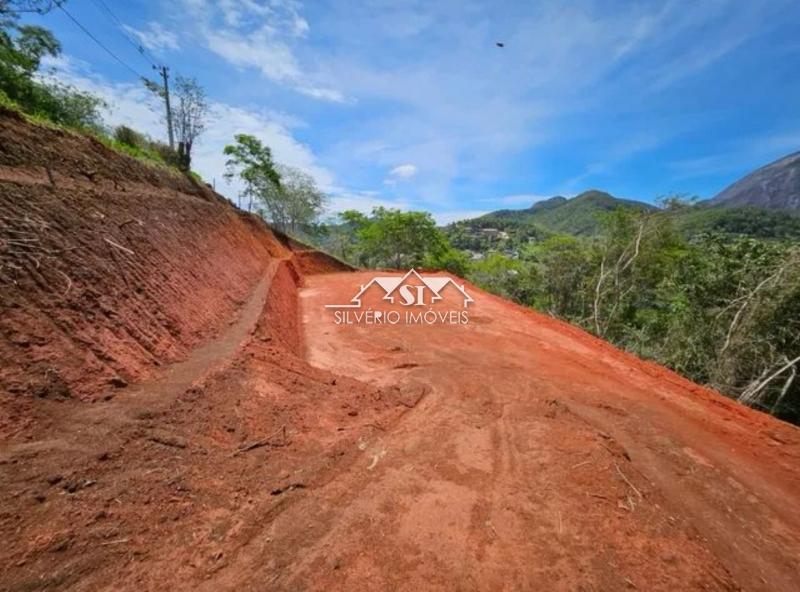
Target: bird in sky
499	44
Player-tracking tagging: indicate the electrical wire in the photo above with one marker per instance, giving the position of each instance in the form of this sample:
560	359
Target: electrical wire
101	5
98	42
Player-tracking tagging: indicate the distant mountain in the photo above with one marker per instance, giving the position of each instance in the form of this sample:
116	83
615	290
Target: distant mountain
506	230
579	215
774	186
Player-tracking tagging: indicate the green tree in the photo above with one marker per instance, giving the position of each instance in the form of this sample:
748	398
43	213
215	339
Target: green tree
251	161
22	49
286	196
390	237
342	236
449	259
506	277
563	264
303	201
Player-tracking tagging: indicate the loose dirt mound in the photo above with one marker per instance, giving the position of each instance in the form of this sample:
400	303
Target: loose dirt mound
309	260
314	262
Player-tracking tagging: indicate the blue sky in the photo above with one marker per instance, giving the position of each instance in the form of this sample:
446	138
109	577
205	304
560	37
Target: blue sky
411	104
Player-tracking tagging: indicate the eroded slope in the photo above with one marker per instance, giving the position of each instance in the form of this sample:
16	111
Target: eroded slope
108	268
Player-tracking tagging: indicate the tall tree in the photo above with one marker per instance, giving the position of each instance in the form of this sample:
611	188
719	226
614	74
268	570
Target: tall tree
390	237
22	48
189	117
302	200
251	161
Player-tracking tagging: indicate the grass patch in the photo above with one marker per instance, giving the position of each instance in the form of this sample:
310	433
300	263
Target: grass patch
8	103
141	153
196	176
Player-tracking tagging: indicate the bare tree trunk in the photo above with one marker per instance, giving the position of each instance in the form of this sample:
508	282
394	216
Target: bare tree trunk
619	268
747	300
599	285
750	394
786	386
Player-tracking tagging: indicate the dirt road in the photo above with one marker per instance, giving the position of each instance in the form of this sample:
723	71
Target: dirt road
513	452
540	459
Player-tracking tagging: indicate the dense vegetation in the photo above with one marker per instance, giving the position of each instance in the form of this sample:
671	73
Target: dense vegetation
742	221
389	238
22	48
723	311
583	216
579	215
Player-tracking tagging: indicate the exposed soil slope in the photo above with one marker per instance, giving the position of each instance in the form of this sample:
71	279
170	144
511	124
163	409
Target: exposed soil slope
108	267
309	260
258	445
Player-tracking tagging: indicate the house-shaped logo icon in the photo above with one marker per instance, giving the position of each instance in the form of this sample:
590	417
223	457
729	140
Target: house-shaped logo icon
411	289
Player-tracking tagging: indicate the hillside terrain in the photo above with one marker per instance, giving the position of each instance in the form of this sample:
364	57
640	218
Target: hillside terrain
732	220
180	411
579	215
774	186
584	216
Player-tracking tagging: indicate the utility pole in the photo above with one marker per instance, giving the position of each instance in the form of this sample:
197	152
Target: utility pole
164	71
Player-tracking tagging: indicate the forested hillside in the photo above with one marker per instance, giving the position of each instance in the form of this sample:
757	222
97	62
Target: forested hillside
583	216
578	215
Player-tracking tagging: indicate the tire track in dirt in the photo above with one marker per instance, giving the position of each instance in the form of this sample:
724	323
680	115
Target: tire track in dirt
535	461
174	480
510	453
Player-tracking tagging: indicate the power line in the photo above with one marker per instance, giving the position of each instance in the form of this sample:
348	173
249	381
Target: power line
98	42
163	70
101	4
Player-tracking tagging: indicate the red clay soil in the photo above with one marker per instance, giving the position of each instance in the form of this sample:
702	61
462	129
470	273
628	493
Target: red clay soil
108	268
309	260
261	446
313	262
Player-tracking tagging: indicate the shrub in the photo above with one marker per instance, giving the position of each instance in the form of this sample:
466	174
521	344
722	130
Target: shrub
130	137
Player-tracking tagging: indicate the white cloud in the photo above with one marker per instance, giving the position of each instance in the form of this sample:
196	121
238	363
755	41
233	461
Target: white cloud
261	36
363	201
300	27
273	58
564	65
443	218
132	105
403	171
155	37
519	200
281	15
433	89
